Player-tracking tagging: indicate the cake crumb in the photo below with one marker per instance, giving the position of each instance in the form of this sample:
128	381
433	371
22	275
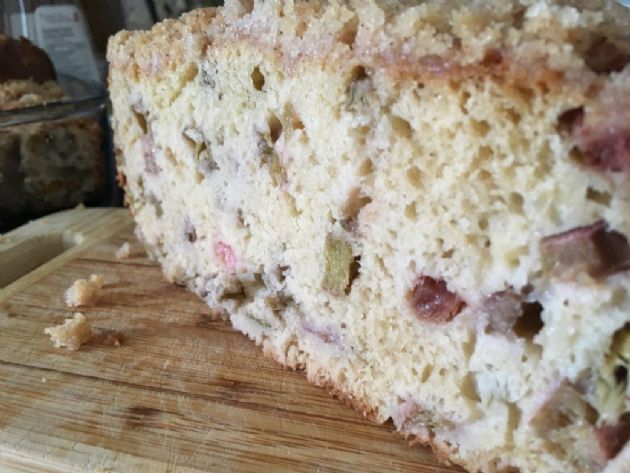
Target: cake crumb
124	251
72	333
114	339
44	380
84	292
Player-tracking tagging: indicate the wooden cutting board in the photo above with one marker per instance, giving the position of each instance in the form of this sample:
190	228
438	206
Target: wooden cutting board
184	393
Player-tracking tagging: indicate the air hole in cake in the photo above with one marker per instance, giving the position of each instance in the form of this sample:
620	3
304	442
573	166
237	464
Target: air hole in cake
366	168
484	175
205	162
512	115
569	120
463	101
247	6
141	121
604	56
292	120
468	388
454	85
621	374
410	211
189	74
514	416
258	79
448	253
414	177
355	271
518	18
193	136
356	201
431	300
348	33
236	294
300	29
294	211
516	202
600	197
612	379
401	126
513	261
480	127
275	128
190	232
359	88
530	323
358	73
482	223
170	156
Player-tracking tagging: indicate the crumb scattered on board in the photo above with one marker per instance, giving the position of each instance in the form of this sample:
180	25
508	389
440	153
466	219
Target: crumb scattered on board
124	251
72	333
114	339
84	292
44	380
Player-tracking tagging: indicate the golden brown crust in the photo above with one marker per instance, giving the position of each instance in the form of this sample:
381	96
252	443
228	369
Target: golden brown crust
442	452
161	50
174	45
350	400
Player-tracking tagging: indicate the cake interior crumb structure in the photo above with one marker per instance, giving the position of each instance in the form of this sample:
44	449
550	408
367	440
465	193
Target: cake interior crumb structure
424	205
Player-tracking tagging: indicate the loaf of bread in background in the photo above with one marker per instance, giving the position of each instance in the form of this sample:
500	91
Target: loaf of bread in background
425	205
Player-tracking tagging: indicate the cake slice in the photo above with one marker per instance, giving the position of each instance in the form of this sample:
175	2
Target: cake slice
425	205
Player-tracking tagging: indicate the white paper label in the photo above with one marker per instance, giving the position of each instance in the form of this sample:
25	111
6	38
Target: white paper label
60	31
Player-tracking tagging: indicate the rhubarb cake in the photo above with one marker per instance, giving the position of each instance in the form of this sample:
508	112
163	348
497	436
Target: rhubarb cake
423	204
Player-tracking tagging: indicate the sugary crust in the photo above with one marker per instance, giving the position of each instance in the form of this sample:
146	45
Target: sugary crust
455	55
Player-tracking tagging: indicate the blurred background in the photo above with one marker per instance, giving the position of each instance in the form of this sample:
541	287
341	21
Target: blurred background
55	135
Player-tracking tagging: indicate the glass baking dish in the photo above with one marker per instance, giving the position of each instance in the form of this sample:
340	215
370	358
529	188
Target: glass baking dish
53	156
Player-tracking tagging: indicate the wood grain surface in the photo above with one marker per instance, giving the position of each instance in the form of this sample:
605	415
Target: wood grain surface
184	392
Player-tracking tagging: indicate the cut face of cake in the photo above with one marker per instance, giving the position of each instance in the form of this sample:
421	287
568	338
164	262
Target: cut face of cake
423	204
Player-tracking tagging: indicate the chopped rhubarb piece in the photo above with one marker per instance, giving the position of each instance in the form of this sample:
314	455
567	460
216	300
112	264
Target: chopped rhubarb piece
432	301
148	153
503	309
564	406
612	438
592	248
225	254
508	312
605	148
